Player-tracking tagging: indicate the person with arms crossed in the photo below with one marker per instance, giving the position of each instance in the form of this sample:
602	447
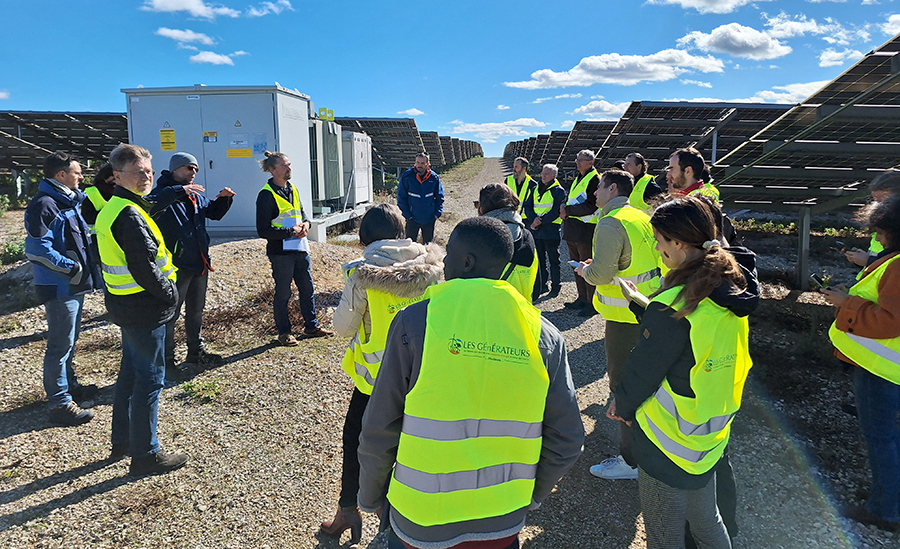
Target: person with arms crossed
542	219
420	197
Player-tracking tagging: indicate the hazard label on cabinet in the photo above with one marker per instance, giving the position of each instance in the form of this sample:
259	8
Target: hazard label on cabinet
167	140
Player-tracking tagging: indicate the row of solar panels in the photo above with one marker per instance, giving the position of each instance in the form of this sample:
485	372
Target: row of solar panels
818	154
26	137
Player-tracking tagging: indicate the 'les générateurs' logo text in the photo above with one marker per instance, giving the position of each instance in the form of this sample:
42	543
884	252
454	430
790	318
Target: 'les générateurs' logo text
458	346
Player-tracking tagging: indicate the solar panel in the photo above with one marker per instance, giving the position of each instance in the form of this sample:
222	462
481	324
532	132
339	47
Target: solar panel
432	144
396	140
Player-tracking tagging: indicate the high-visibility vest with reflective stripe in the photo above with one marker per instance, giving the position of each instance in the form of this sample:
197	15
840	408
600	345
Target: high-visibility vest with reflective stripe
707	189
879	356
93	194
578	195
636	199
471	435
116	276
693	432
286	210
643	270
522	194
875	248
363	358
522	277
543	202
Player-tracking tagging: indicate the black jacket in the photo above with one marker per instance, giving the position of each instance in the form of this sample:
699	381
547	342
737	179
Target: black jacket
548	229
574	229
156	304
664	352
266	211
183	225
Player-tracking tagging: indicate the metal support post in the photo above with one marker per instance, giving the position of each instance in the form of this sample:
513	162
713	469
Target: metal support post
803	252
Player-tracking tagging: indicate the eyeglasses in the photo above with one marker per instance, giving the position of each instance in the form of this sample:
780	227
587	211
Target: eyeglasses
192	168
138	173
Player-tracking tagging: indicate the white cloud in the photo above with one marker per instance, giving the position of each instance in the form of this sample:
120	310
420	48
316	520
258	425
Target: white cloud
269	7
502	107
791	93
603	110
197	8
185	36
833	58
4	94
870	2
737	40
562	96
490	131
215	58
707	6
567	125
411	112
892	26
831	31
181	46
613	68
824	1
696	83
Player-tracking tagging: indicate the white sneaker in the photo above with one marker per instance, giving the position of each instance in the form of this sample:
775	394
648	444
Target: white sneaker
614	468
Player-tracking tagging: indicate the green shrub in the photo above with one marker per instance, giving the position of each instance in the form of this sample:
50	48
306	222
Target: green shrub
202	391
12	252
4	204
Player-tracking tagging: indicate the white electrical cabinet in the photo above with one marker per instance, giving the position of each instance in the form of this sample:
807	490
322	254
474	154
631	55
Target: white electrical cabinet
326	164
357	168
228	129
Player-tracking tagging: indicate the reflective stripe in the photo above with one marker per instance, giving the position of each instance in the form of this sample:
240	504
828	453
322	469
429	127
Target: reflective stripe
438	483
580	199
611	301
46	263
92	229
414	194
128	286
113	270
643	277
371	358
462	429
873	346
429	194
713	425
673	447
363	372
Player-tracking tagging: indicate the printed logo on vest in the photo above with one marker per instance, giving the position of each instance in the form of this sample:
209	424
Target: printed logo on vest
395	307
726	361
487	350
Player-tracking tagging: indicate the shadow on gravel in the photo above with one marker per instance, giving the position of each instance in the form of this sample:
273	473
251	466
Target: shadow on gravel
32	417
13	342
25	515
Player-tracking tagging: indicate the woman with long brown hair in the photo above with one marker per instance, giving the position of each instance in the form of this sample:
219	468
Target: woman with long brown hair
684	379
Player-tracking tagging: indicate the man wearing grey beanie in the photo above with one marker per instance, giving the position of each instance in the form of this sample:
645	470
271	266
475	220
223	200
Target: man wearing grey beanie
181	210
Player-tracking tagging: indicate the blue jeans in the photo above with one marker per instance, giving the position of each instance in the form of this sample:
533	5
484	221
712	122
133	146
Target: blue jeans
296	267
63	325
191	293
878	404
140	381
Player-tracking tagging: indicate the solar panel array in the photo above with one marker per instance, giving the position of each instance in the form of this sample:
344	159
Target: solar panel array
823	152
26	137
396	141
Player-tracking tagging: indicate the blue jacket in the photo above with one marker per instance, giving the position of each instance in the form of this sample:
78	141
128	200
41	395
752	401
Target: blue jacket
423	201
56	243
184	226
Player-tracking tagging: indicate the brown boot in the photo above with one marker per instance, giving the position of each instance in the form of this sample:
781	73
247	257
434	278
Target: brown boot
346	517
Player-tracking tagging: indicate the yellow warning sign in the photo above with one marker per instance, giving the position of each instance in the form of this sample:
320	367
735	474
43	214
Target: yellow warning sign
167	140
240	153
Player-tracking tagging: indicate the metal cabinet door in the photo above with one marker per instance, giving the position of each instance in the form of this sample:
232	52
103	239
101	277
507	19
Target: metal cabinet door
164	124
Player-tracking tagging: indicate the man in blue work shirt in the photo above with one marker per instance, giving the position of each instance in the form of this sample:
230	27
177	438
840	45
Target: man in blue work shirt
421	199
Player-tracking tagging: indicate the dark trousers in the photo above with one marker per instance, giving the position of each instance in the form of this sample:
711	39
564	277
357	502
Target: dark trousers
579	251
395	543
192	294
296	267
352	429
726	500
548	262
412	231
621	338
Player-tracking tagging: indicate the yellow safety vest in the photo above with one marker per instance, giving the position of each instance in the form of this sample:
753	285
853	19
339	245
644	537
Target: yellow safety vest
522	277
116	276
706	189
363	358
875	248
693	432
543	202
643	270
471	436
578	195
93	194
522	194
636	199
879	356
286	210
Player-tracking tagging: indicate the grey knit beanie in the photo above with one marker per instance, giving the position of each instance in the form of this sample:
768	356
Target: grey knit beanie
180	159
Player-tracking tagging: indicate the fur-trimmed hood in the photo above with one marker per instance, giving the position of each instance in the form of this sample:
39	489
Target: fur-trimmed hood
400	267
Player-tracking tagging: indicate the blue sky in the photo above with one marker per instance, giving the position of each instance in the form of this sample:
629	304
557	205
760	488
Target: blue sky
491	71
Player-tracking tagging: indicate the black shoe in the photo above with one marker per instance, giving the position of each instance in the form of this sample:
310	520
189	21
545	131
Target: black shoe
70	415
575	305
861	515
156	464
204	359
119	451
587	311
82	393
554	291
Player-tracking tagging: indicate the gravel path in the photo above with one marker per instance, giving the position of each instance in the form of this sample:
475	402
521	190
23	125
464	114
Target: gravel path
264	430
